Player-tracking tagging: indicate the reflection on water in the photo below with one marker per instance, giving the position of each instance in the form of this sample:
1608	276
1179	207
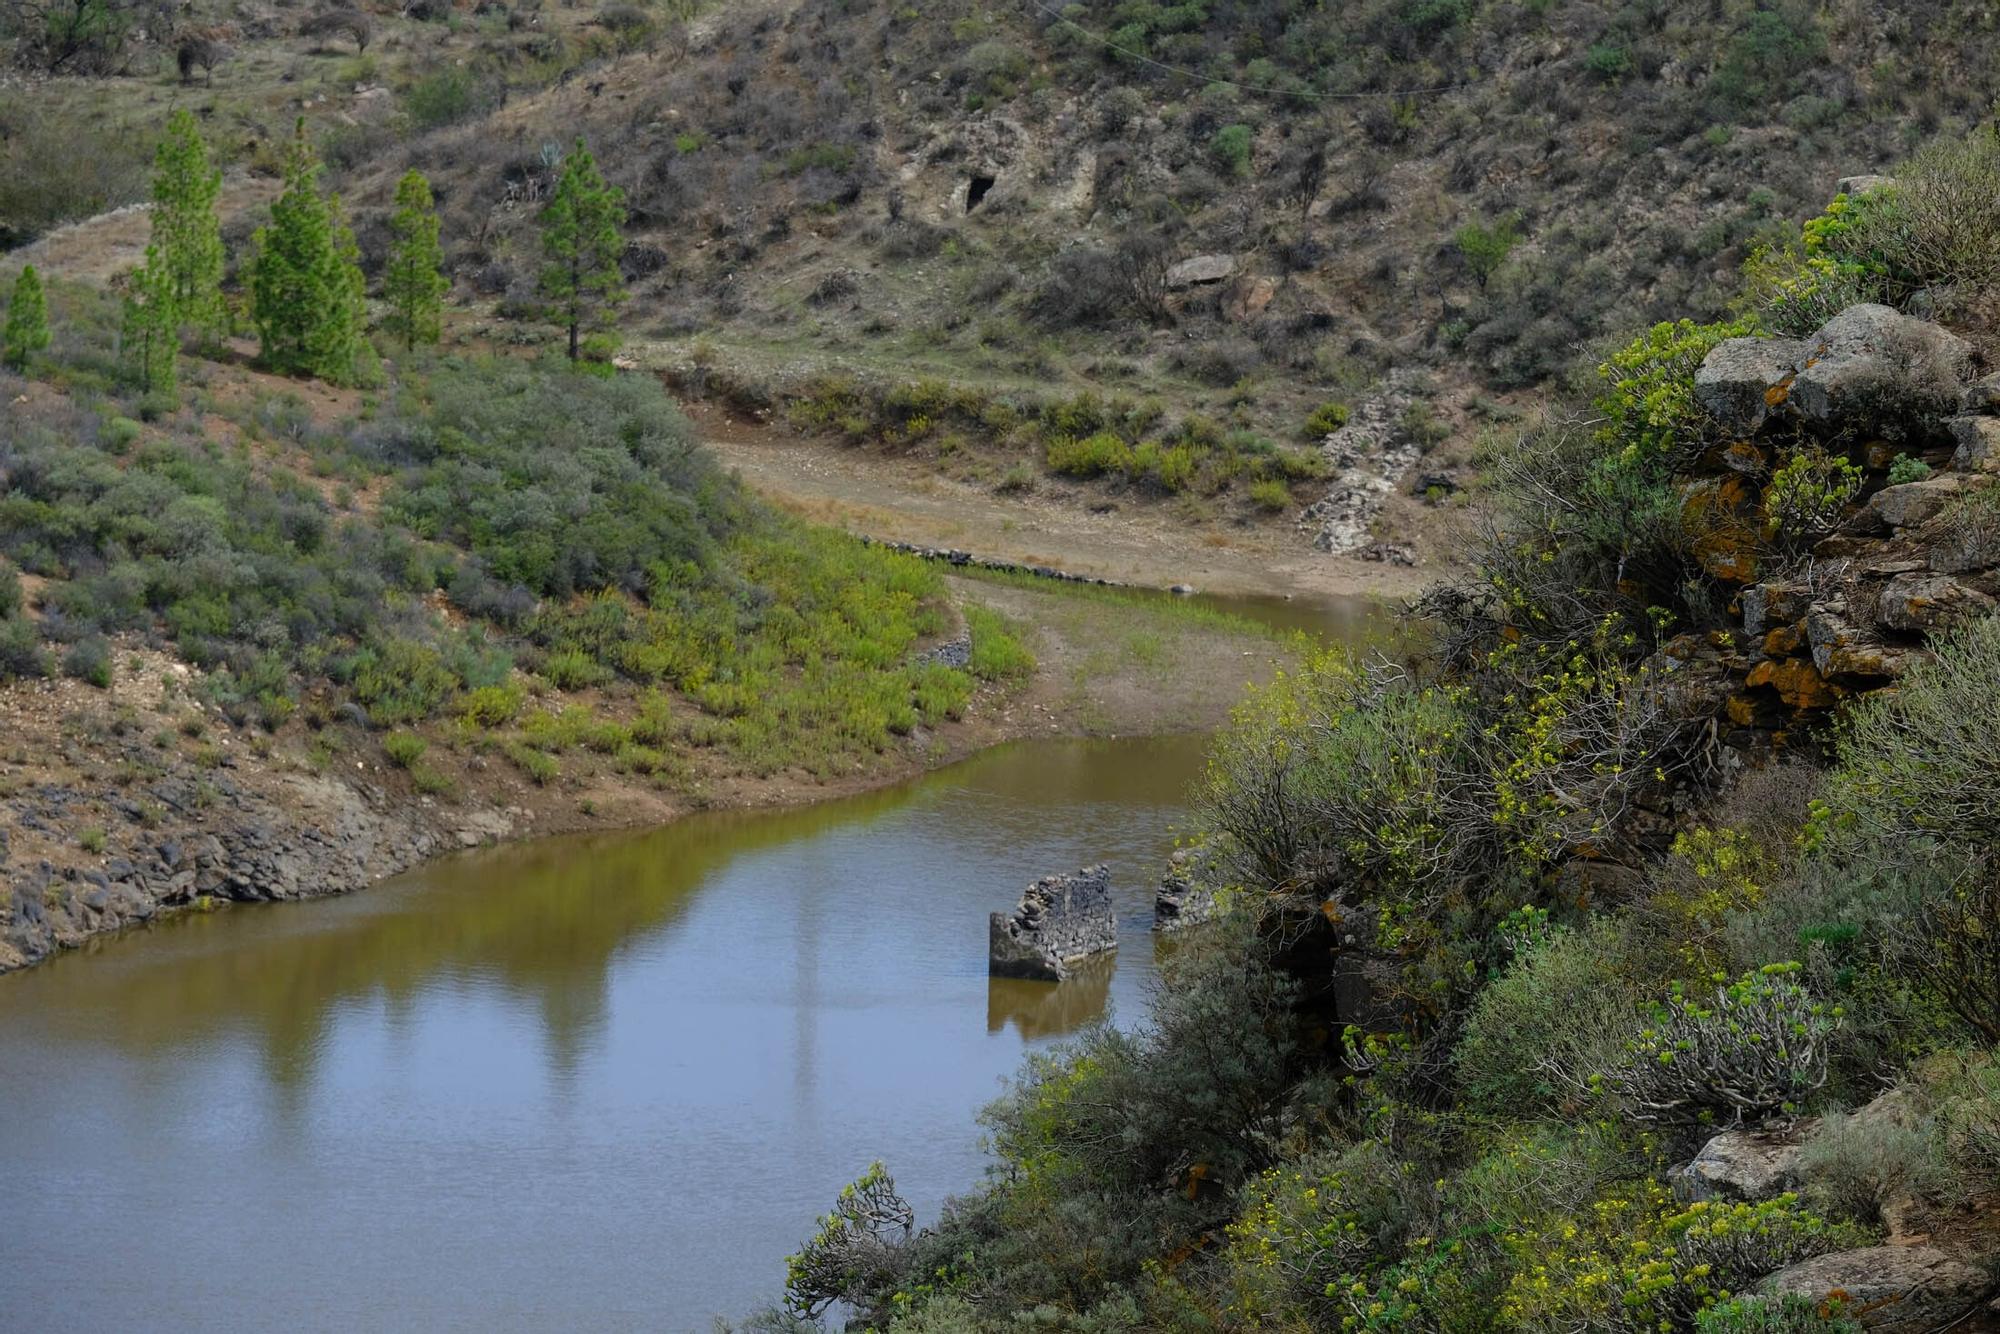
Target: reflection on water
601	1082
1043	1010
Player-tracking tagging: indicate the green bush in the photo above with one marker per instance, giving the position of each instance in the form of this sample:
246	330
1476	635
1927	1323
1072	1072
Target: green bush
1231	149
404	749
1092	456
1754	1047
1526	1031
1324	420
1789	1314
997	655
1271	495
21	652
89	659
1903	470
1808	495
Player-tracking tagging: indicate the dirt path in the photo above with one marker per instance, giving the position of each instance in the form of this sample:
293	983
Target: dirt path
1136	543
98	249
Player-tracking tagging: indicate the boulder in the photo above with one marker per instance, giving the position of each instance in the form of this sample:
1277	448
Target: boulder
1862	184
1877	371
1912	503
1981	396
1922	603
1735	380
1740	1166
1199	270
1842	649
1772	604
1978	441
1060	921
1891	1289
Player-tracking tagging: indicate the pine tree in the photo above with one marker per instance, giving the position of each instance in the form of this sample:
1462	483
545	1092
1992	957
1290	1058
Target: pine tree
305	278
582	244
152	327
27	330
413	284
186	230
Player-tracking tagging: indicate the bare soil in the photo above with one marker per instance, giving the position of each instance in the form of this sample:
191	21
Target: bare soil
1146	543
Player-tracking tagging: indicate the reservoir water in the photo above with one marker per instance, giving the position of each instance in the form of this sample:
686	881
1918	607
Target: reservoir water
594	1083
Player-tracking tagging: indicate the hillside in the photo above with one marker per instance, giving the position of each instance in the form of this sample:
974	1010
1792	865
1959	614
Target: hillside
1629	961
987	238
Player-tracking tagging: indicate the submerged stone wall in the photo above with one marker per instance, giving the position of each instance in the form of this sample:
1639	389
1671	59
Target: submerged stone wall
1060	921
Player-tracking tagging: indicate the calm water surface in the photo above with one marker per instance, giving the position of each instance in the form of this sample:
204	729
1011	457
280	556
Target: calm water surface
595	1083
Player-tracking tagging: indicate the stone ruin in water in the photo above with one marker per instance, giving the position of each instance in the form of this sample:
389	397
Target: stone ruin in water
1061	921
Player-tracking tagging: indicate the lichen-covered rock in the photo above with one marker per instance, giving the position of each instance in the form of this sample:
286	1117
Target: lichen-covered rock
1875	370
1840	648
1060	921
1911	503
1920	603
1719	512
1890	1289
1981	395
1740	1165
1978	441
1736	378
1773	603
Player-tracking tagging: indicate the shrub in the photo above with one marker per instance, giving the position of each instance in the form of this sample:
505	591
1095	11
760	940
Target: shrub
1808	495
1903	470
1789	1314
491	706
1854	1165
1324	420
404	749
1231	149
1526	1030
21	653
542	769
1271	496
89	659
1637	1262
860	1246
1758	1047
997	655
92	839
1092	456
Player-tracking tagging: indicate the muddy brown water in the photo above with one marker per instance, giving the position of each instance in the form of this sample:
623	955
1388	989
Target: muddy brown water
601	1082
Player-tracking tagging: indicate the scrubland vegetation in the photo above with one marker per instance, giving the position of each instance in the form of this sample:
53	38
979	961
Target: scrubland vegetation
1512	936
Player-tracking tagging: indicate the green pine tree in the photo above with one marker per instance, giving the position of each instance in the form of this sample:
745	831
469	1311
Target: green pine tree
27	330
152	327
186	229
413	284
581	242
305	278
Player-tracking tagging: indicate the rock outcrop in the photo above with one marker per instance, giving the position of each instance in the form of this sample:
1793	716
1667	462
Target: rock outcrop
1741	1166
1877	371
1891	1289
1853	611
1061	921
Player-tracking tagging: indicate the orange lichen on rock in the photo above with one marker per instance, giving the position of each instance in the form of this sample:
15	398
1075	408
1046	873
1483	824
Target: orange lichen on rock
1797	682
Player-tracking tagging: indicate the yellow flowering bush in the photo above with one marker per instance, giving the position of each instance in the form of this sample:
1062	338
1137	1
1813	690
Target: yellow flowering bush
1638	1261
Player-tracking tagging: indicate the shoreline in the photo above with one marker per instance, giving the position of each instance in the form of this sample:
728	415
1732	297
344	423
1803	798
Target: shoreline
91	849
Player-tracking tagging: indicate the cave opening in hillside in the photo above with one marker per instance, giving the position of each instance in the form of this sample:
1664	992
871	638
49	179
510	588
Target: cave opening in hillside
975	190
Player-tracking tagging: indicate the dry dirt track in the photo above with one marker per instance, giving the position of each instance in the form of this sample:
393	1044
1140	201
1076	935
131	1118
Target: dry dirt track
907	501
